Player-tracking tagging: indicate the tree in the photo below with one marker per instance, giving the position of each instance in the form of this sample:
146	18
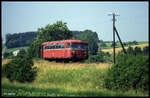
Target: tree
102	43
92	39
20	69
125	44
51	32
135	42
19	39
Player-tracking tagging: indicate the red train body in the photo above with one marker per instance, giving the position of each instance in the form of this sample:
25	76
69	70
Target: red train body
65	49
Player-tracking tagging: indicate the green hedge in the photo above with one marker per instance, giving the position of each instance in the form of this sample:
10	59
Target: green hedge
130	72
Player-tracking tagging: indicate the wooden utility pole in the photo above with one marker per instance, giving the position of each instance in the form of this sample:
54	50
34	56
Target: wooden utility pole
113	14
115	30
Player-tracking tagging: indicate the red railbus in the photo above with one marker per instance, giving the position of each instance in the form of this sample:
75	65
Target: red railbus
65	49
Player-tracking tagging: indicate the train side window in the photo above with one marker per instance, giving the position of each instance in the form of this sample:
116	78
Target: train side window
59	45
62	45
50	46
53	47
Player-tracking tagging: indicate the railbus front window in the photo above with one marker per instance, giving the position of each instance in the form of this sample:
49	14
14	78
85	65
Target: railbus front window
78	45
69	45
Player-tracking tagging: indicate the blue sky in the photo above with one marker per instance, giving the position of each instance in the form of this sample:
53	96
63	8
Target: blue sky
132	24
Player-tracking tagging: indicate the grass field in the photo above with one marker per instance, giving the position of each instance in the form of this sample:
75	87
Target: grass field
65	79
118	45
120	48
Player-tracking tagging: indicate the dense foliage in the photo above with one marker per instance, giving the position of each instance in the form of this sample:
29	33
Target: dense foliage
51	32
95	58
20	68
19	39
130	72
135	51
99	57
7	54
92	39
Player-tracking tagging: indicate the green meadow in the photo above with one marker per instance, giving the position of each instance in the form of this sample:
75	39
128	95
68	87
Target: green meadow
65	79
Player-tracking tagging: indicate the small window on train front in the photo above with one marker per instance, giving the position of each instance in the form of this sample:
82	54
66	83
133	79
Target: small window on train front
69	45
75	45
46	47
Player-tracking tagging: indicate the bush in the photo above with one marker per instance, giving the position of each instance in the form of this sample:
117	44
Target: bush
146	50
22	52
137	50
130	50
130	72
95	58
20	69
99	57
8	55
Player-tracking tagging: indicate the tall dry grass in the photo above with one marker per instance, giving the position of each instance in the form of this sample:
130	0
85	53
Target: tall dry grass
70	75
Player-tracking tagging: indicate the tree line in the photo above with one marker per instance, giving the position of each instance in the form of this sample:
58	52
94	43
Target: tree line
19	39
24	39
